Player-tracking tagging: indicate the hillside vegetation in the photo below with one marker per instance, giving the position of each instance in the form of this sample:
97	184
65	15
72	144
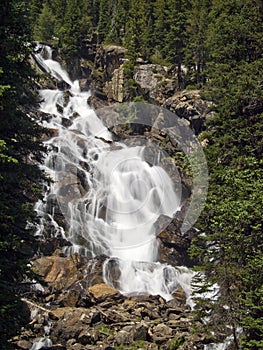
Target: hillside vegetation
215	46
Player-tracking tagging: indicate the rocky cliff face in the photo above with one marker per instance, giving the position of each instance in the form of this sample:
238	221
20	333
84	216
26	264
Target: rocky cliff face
107	73
153	83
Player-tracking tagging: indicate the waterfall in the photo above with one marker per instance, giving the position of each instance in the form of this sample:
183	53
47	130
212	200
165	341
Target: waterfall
110	197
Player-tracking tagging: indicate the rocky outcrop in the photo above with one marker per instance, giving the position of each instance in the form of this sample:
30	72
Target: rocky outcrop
55	270
102	69
189	105
114	89
75	309
155	82
107	73
173	245
100	292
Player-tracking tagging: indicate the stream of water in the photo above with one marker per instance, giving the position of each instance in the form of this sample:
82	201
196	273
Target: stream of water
110	196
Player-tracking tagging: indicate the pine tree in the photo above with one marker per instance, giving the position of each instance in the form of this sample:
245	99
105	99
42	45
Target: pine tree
45	26
137	24
195	50
70	32
35	8
104	19
118	22
231	252
175	38
159	28
20	176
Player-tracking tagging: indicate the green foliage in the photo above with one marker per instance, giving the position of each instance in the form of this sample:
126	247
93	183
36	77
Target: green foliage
44	29
19	154
63	22
139	99
117	22
3	157
157	58
128	69
105	330
196	32
70	32
220	43
104	19
174	344
136	30
35	8
231	251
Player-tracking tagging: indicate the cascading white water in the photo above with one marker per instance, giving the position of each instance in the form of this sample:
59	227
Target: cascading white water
110	198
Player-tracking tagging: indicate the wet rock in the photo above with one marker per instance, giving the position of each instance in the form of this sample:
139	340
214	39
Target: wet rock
69	298
84	83
160	225
42	343
112	271
96	103
57	208
100	292
94	270
49	133
174	245
109	115
70	186
179	296
66	122
24	344
57	271
49	245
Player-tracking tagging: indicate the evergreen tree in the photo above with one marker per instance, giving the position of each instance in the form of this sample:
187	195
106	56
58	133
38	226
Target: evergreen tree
159	27
45	26
231	251
196	29
35	8
70	32
93	11
20	176
159	10
118	22
175	38
137	24
104	19
58	8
